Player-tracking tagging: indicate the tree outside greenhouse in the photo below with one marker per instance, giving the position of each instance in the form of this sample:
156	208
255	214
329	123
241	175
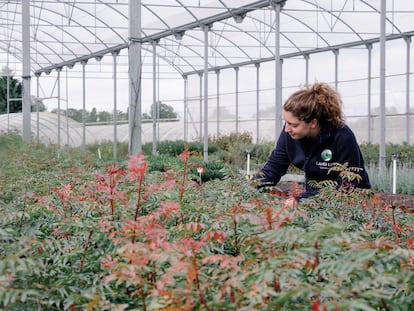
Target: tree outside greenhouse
11	89
95	116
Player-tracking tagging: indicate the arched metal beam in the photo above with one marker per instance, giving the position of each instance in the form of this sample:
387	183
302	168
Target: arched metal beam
206	21
309	52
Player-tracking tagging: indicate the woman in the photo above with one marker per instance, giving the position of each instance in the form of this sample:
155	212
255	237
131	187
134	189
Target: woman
314	137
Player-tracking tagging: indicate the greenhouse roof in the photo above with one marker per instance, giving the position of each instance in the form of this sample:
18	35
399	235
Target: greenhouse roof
64	33
179	41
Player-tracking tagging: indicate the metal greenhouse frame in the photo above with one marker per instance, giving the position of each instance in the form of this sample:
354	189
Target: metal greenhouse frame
207	57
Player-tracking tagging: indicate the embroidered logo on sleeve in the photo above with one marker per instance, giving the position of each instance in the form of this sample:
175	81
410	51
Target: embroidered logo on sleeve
326	155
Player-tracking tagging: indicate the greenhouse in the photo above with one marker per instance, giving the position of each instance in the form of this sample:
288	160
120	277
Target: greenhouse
206	155
224	66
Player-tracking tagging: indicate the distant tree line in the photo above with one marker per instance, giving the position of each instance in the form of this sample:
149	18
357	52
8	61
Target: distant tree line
165	112
15	88
91	116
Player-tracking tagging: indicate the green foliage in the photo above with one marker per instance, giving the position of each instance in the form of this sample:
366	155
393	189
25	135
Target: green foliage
167	147
106	150
233	149
162	162
161	111
15	91
382	180
404	151
209	171
9	141
225	142
176	147
370	153
201	171
82	234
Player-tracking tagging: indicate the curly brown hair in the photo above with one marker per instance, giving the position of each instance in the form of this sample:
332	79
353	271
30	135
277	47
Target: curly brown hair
318	101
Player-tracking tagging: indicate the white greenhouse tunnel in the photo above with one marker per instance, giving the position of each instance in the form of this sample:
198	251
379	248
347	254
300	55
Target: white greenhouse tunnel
72	131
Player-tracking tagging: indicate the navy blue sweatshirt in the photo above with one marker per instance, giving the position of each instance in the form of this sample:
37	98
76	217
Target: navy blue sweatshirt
315	158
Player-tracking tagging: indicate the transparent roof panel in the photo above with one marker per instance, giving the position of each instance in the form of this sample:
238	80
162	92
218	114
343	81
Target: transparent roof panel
63	32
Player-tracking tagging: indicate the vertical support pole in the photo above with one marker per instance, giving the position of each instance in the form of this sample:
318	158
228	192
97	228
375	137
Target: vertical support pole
8	97
200	74
67	107
236	69
278	72
218	102
154	98
158	98
26	98
58	70
185	108
135	75
407	90
206	29
369	87
83	63
394	172
37	107
336	53
382	87
257	101
306	56
115	144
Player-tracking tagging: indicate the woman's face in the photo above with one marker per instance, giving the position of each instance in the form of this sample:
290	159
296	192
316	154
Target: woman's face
298	129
